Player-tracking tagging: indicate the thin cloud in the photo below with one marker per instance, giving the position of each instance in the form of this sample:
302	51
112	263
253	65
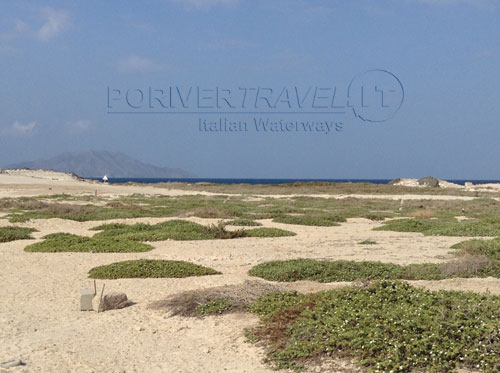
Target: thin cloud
19	28
79	126
23	129
133	64
56	21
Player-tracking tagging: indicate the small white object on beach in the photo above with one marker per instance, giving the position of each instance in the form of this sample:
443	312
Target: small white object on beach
12	363
86	297
105	178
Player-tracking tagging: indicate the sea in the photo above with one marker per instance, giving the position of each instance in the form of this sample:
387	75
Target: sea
267	181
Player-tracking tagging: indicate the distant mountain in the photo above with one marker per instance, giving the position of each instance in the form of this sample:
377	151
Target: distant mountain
92	163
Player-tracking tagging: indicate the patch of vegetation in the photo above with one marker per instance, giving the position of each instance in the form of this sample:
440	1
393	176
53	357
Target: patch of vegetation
123	238
268	305
324	271
65	242
317	187
368	242
482	213
377	216
318	221
215	307
213	213
268	232
386	326
489	248
147	268
240	296
241	222
183	230
219	231
486	226
179	230
8	234
343	270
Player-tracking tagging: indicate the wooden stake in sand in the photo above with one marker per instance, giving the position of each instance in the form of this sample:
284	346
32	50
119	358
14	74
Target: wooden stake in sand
100	299
95	289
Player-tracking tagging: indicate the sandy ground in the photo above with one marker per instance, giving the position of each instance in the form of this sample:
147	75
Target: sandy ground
41	324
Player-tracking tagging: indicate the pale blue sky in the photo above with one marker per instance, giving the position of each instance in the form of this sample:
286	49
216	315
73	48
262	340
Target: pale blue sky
57	59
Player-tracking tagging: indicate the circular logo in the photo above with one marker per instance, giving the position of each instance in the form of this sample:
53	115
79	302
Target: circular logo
375	95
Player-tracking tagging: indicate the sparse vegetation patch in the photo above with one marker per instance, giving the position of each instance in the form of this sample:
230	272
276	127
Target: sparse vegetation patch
146	268
319	221
368	242
65	242
343	270
386	326
8	234
484	226
244	223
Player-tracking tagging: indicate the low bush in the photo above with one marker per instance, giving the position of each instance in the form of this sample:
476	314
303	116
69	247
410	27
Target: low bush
268	232
8	234
65	242
244	223
444	227
386	326
343	270
368	242
319	221
183	230
215	307
147	268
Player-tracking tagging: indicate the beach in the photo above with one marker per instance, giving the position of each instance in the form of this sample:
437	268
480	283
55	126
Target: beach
42	324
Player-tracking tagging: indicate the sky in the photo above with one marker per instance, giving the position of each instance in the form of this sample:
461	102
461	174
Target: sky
435	62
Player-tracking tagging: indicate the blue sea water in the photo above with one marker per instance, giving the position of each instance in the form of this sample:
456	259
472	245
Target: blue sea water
269	181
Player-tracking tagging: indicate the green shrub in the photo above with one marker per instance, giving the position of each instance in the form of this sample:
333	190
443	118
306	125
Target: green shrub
215	307
8	234
490	248
444	227
268	305
146	268
324	271
183	230
65	242
173	229
122	238
387	326
368	242
376	216
343	270
320	221
268	232
244	223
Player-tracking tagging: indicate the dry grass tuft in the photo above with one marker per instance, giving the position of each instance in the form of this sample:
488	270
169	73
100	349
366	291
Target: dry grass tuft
467	264
240	296
425	214
212	213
